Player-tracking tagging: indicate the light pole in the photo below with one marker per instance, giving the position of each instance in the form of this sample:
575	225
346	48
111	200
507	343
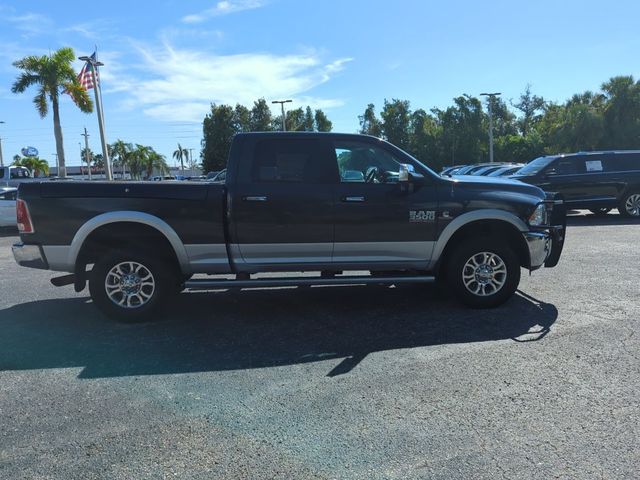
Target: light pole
490	96
1	161
57	165
86	151
282	102
105	150
190	159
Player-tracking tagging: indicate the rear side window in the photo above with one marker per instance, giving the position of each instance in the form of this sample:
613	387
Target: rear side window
292	161
621	162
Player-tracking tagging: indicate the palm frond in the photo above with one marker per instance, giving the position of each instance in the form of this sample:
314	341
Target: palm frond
24	81
79	95
40	101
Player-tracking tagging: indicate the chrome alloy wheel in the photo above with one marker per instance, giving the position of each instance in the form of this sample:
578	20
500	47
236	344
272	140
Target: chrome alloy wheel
484	274
129	285
632	205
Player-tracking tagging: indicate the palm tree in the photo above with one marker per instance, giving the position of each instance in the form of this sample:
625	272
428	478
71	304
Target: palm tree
181	154
120	151
53	75
35	164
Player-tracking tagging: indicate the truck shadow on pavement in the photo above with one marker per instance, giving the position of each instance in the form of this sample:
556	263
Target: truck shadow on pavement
236	330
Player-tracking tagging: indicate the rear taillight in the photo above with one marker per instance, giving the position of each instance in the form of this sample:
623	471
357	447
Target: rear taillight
24	219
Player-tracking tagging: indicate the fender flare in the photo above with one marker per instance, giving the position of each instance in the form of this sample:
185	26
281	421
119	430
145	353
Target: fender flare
130	217
474	216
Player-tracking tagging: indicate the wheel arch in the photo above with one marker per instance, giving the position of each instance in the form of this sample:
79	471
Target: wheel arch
493	223
143	220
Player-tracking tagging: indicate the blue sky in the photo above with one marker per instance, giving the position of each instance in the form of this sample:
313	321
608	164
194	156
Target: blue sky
167	60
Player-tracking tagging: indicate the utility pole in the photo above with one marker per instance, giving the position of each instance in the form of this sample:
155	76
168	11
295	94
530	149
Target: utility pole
282	102
57	165
80	146
87	154
96	90
490	98
1	160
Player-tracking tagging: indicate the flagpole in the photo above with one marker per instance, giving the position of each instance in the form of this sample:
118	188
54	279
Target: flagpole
96	86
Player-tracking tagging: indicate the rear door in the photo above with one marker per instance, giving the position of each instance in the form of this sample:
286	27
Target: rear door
282	203
380	223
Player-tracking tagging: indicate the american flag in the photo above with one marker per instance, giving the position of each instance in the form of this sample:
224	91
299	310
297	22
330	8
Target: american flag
85	77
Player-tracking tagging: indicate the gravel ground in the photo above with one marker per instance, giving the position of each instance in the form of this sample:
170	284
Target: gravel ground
340	382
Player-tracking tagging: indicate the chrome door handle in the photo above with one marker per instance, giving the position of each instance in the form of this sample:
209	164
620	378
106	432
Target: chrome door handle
255	198
353	199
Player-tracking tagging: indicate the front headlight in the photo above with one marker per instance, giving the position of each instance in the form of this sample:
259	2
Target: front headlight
539	215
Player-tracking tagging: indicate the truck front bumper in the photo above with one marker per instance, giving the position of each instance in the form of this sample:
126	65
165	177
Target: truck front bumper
29	256
539	244
545	246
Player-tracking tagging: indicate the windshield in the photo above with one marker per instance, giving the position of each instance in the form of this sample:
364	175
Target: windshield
534	166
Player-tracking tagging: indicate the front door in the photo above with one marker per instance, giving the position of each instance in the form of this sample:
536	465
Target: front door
282	204
380	224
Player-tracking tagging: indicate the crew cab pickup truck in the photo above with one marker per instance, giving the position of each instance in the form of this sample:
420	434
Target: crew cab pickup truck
334	204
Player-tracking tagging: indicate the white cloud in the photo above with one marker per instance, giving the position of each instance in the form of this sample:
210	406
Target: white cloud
223	7
31	24
181	84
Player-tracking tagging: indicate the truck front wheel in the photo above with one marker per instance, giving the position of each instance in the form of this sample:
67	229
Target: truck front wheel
483	272
128	286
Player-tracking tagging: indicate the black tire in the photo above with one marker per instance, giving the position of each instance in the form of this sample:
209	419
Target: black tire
600	212
630	205
144	301
502	267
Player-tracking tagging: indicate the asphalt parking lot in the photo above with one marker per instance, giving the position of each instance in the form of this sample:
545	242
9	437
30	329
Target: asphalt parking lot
339	382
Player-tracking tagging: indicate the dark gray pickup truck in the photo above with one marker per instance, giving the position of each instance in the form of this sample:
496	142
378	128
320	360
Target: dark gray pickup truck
335	204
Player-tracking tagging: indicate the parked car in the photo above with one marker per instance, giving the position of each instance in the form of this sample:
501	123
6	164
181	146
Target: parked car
284	208
12	176
451	170
506	170
598	181
8	206
484	171
220	176
471	169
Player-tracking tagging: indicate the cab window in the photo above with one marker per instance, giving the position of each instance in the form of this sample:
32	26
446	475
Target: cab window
291	161
364	163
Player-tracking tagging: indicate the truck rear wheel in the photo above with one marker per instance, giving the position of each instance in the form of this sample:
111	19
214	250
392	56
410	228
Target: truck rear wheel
483	273
129	286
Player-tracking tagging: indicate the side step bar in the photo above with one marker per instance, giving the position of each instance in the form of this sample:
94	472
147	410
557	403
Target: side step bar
206	284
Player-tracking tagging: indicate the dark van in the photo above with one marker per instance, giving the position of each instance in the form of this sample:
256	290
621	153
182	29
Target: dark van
597	181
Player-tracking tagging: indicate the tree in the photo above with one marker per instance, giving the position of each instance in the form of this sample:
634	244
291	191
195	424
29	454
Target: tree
120	152
86	157
181	154
218	131
295	120
529	105
98	161
369	123
309	122
241	119
395	122
323	124
260	119
622	113
53	75
35	164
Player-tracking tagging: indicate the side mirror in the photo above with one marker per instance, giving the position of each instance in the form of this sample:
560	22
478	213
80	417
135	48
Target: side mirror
550	172
403	173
